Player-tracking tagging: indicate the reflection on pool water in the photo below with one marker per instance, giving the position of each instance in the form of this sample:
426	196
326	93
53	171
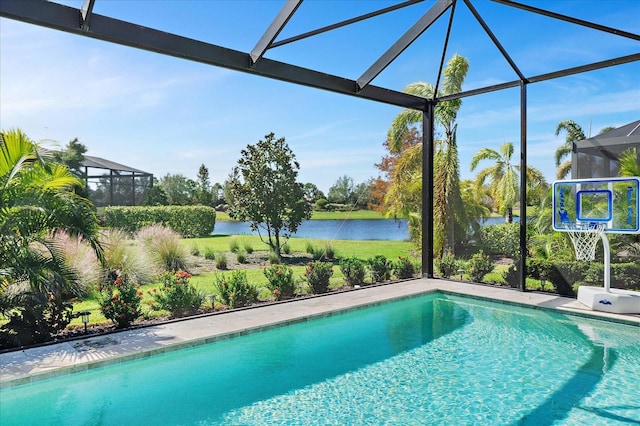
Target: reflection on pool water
433	359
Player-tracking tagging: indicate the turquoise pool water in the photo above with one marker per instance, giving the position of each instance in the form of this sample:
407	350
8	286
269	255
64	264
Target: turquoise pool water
434	359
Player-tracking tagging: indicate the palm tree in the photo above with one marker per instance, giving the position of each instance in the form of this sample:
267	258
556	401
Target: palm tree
37	200
629	163
447	199
504	177
574	134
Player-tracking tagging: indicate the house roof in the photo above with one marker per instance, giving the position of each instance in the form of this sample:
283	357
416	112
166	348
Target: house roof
101	163
629	134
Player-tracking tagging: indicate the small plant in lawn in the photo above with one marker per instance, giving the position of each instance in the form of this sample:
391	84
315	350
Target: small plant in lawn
234	245
195	250
329	251
241	256
447	265
248	248
274	259
177	295
404	268
286	249
309	248
221	260
120	301
281	281
317	275
209	253
478	266
163	243
353	270
380	268
235	291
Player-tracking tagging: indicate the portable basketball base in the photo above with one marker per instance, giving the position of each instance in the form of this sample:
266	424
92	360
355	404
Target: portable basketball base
606	299
614	203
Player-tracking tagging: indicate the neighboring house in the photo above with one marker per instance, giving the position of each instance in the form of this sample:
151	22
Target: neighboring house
113	184
598	156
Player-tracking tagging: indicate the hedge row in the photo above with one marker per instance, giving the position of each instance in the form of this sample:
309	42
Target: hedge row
189	221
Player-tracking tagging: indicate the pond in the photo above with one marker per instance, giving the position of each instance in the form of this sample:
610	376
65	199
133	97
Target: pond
346	229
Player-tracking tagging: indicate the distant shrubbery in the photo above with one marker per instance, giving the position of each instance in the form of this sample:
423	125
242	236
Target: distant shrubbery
189	221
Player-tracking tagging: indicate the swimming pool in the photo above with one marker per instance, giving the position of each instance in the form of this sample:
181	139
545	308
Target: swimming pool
434	359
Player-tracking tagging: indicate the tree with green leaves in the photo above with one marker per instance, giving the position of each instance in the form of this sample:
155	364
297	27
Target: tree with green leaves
180	190
36	201
262	190
203	187
448	208
574	133
504	177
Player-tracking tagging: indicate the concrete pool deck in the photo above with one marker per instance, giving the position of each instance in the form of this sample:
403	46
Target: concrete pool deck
23	366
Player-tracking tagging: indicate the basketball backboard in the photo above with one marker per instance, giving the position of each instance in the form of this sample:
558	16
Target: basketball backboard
613	201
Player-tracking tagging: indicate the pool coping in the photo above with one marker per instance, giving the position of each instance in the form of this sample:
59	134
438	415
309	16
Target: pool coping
34	364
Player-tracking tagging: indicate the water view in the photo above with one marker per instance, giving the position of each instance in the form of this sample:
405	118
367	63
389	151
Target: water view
347	229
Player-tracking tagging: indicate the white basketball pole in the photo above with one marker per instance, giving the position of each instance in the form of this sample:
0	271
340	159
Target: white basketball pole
607	262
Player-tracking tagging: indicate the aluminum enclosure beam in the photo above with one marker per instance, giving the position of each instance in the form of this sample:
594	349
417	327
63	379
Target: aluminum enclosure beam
274	29
64	18
403	42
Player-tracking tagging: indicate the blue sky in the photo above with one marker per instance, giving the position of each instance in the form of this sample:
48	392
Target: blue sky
166	115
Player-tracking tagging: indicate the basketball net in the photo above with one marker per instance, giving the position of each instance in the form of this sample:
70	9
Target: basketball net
584	237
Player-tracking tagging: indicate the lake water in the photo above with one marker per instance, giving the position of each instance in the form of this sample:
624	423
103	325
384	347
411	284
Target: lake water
348	229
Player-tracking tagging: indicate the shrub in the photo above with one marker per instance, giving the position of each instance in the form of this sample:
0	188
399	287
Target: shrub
221	260
318	275
380	268
177	295
565	274
234	245
209	253
623	275
235	291
353	270
281	281
286	248
163	243
321	204
273	258
195	250
404	268
478	266
502	239
248	248
447	265
124	258
329	251
120	301
512	276
241	256
189	221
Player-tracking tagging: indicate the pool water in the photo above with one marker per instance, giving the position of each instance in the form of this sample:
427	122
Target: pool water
434	359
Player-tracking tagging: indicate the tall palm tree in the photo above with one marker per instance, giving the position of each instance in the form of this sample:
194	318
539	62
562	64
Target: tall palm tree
36	200
504	177
574	134
447	199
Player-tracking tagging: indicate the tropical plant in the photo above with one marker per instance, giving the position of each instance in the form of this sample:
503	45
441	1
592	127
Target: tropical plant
478	266
120	301
404	268
629	162
404	194
37	199
280	281
177	295
574	133
318	275
262	190
504	177
380	268
353	270
235	291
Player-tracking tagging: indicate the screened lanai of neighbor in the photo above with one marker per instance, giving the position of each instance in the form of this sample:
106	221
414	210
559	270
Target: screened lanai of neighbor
276	49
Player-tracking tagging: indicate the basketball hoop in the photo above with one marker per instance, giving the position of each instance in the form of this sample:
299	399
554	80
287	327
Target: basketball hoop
585	236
